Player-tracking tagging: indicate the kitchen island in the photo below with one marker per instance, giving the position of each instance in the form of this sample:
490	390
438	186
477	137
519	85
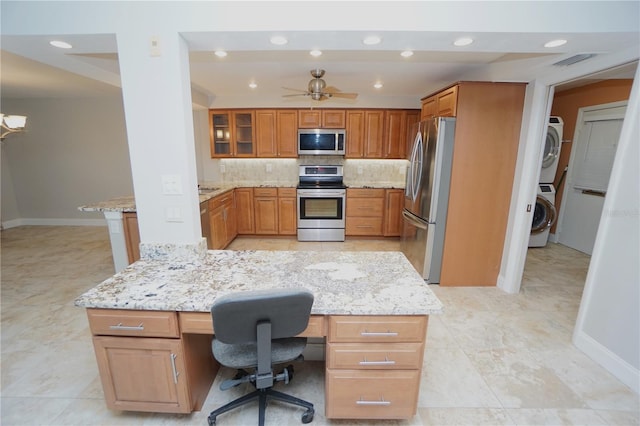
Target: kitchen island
153	319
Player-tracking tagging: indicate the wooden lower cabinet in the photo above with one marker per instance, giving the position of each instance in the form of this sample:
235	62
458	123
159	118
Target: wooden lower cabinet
244	211
138	373
364	212
374	366
265	205
394	203
287	214
222	220
131	235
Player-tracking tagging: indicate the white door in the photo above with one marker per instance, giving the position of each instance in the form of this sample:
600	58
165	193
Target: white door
595	142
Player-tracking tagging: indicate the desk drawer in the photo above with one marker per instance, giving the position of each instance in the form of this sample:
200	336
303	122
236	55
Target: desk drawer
371	394
377	329
380	356
200	323
122	322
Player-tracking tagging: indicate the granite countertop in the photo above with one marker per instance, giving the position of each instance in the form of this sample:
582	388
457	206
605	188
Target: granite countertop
349	283
208	190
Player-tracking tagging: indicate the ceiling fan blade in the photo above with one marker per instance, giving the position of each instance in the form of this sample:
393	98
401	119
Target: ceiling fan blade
295	94
344	95
331	89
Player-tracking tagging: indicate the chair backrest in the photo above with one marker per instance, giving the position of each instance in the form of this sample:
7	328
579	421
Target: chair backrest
235	315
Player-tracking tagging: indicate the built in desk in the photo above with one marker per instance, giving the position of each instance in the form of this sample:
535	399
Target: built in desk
152	328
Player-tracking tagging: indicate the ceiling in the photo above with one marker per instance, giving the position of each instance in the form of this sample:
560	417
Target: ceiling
31	68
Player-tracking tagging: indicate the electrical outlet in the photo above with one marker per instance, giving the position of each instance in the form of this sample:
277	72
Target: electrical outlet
402	170
154	46
174	214
222	168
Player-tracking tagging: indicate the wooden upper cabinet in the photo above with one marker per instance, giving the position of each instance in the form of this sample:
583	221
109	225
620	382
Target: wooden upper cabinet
429	108
395	133
447	102
374	133
333	119
287	133
319	118
266	142
231	133
354	144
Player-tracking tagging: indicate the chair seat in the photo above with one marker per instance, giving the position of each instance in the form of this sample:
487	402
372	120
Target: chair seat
245	355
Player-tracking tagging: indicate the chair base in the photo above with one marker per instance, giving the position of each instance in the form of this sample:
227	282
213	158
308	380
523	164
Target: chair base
263	395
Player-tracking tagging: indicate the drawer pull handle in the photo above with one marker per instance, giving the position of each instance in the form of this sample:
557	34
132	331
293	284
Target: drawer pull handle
119	326
173	367
386	361
378	333
381	402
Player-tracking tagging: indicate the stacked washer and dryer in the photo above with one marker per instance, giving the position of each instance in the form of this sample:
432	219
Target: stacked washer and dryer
544	215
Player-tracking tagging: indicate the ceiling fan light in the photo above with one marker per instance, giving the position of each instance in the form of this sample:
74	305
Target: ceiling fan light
14	122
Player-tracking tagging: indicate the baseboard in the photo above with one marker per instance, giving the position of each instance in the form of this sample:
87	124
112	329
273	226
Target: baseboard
14	223
611	362
554	238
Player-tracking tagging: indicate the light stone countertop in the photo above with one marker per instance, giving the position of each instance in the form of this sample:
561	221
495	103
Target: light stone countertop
349	283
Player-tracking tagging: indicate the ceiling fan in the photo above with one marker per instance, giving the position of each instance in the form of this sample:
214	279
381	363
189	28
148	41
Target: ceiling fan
318	89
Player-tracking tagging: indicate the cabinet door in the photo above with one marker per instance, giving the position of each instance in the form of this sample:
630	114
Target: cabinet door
287	216
218	228
266	133
309	118
220	134
143	374
413	116
429	108
287	133
266	215
131	236
231	222
333	119
355	134
447	101
394	200
243	133
395	133
244	211
374	134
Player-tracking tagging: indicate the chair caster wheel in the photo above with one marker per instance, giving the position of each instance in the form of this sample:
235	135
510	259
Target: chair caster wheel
212	421
307	417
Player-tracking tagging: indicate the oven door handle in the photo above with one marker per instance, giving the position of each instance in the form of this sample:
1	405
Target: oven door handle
320	193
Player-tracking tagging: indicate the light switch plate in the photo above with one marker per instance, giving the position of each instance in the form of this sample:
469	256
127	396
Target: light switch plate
171	185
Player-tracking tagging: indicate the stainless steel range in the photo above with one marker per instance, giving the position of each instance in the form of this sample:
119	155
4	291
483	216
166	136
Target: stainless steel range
321	203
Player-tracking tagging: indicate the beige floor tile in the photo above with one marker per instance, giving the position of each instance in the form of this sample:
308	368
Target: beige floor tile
465	416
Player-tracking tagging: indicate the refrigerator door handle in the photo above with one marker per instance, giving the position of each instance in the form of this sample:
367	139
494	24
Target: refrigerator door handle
414	220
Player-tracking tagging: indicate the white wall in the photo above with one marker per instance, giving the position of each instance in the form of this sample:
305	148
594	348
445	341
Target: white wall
73	153
608	325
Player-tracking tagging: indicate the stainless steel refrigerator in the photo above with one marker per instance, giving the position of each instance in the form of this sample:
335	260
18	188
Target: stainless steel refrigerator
427	195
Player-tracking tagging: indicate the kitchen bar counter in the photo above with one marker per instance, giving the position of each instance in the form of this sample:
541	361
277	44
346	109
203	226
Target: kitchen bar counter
344	283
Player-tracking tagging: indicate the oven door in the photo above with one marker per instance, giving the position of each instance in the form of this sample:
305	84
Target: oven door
321	208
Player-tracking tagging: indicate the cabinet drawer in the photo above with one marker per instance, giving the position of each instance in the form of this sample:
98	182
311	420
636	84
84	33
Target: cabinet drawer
265	192
287	192
365	207
116	322
365	192
380	356
221	200
379	329
200	323
371	394
363	226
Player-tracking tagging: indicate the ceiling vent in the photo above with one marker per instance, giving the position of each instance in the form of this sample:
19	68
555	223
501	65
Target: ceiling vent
574	59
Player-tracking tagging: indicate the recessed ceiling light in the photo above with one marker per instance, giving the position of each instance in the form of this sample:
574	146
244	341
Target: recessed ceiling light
406	54
220	53
555	43
278	40
253	85
378	85
60	44
315	53
371	40
464	41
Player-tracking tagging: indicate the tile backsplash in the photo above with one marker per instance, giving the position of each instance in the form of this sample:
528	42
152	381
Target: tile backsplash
284	171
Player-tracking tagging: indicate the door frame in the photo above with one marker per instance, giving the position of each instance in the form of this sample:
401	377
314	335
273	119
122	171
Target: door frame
579	125
535	117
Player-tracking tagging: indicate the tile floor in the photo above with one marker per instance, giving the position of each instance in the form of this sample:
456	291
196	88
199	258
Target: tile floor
492	358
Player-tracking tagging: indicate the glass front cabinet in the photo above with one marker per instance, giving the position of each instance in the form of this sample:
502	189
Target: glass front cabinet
231	133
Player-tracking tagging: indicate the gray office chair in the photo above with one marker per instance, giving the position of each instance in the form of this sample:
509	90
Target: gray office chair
256	330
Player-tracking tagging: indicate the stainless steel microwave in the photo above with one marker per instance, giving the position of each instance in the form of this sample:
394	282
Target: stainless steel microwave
321	141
